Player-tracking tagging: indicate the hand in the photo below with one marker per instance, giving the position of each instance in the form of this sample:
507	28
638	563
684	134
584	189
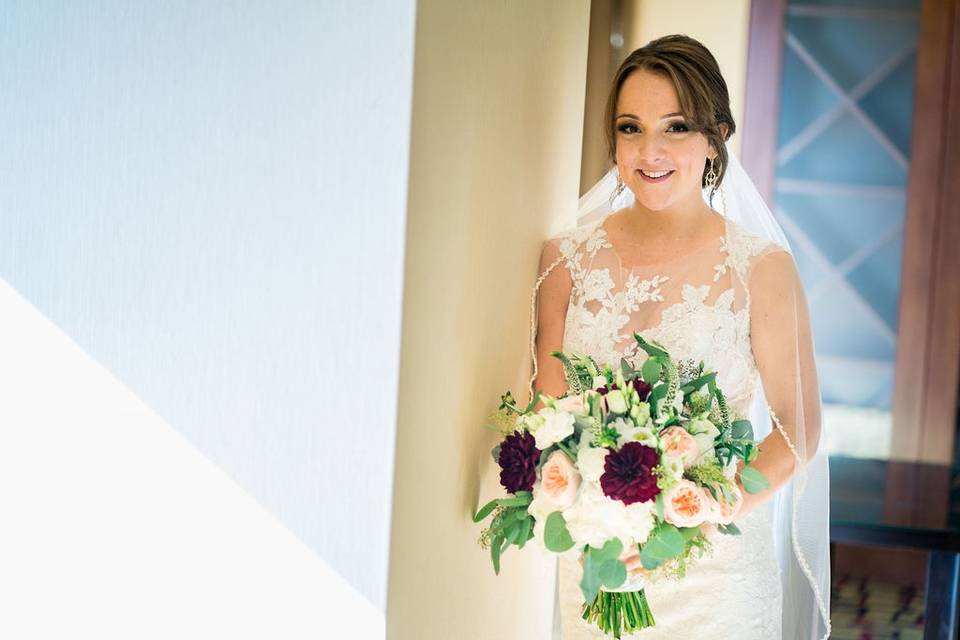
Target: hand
709	530
630	558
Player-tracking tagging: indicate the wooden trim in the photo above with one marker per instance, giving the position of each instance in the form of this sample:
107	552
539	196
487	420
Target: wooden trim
761	115
943	370
928	347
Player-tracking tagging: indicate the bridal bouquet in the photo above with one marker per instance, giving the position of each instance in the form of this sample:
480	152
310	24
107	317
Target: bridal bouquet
627	458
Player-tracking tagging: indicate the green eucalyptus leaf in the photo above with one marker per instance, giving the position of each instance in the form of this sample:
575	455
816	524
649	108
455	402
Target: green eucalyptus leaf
651	370
485	510
612	573
742	429
519	499
753	480
495	550
556	537
590	582
728	529
665	542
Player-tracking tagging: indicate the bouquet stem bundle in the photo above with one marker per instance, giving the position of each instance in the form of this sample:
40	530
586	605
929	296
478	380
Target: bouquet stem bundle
618	611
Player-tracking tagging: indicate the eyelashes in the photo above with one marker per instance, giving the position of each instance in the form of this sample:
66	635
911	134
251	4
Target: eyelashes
675	127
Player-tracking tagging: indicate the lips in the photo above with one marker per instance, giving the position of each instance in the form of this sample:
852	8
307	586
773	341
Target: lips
647	178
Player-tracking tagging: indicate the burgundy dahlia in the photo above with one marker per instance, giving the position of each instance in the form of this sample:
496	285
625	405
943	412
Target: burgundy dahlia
643	389
628	473
518	462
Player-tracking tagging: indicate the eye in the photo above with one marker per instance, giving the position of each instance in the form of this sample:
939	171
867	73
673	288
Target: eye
627	127
681	125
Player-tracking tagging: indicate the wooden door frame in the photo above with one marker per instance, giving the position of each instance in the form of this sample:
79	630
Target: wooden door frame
927	361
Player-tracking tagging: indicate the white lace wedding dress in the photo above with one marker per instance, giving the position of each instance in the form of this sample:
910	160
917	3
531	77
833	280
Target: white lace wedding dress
698	307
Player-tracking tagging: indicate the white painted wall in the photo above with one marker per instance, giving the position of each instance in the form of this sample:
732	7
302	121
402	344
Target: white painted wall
208	199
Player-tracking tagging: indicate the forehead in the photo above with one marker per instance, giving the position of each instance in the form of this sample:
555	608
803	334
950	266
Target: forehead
647	94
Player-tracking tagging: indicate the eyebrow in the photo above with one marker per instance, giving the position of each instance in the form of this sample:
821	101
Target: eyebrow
667	115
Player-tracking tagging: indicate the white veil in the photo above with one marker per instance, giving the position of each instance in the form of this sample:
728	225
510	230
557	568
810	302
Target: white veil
801	506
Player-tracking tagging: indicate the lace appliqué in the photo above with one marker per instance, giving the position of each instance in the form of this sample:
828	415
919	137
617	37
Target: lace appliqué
740	248
598	333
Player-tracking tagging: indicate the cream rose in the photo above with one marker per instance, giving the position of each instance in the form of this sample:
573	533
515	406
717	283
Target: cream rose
680	445
573	404
559	481
686	505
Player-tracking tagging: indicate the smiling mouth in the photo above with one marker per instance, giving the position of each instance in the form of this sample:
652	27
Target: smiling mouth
656	176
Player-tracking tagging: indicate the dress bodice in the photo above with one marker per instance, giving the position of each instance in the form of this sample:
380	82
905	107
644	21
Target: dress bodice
696	305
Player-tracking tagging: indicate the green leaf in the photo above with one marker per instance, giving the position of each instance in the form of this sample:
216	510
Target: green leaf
659	505
753	481
695	384
651	371
665	542
495	452
485	510
526	526
555	535
612	573
652	348
519	499
742	429
610	550
689	533
728	529
648	560
495	550
590	582
533	402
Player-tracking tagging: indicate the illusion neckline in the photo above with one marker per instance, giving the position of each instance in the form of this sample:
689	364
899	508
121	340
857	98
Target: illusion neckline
717	242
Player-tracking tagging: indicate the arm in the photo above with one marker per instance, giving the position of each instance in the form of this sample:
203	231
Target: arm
551	303
782	344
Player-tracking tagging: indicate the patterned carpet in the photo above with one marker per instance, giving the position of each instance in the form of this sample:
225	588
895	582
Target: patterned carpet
864	609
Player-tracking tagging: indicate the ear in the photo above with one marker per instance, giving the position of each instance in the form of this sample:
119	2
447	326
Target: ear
712	155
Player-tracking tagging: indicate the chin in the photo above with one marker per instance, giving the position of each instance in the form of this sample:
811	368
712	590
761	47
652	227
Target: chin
653	204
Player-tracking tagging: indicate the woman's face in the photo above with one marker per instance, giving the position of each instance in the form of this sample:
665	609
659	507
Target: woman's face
652	136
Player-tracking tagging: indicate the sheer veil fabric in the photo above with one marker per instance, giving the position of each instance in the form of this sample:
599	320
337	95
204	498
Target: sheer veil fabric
784	396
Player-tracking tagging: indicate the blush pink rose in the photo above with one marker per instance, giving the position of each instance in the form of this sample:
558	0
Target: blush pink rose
686	505
559	481
679	444
572	404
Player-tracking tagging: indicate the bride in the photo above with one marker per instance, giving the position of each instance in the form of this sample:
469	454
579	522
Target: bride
656	258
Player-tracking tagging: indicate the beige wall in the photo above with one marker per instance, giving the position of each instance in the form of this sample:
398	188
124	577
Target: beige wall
494	168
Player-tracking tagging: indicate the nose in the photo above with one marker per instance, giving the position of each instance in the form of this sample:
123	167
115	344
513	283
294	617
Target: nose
650	151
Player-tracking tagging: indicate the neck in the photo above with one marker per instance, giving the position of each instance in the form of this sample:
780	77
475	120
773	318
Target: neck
682	220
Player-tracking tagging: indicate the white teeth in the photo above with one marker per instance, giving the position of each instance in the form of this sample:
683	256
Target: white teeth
659	174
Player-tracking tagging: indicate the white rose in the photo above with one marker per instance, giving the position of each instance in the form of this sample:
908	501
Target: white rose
594	518
590	461
556	426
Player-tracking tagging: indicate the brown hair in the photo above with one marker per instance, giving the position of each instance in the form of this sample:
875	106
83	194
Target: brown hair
701	89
